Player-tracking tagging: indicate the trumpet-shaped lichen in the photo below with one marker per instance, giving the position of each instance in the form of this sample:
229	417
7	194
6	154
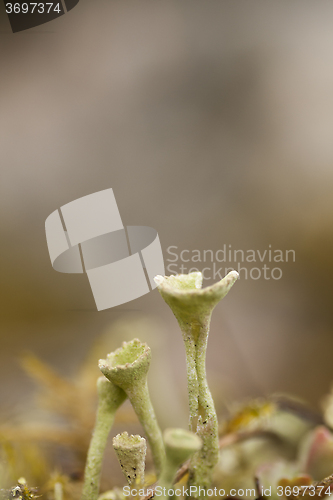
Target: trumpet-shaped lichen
180	445
193	307
131	454
127	368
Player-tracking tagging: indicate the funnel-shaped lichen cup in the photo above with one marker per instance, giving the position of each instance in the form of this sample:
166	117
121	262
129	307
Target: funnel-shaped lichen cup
131	454
127	367
180	445
192	306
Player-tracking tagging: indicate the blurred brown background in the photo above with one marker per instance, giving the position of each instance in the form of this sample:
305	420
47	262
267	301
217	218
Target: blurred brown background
213	123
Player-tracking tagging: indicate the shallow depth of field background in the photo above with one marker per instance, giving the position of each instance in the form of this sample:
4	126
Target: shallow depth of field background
212	122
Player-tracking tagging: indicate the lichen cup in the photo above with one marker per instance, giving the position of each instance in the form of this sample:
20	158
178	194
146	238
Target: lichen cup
192	306
180	445
127	367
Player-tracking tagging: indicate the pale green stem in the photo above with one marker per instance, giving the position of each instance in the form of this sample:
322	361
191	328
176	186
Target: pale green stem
179	446
140	400
193	308
203	418
203	462
58	493
192	379
166	479
110	397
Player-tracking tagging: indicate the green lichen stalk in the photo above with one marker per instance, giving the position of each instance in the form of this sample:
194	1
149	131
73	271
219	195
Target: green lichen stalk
193	307
131	454
127	368
110	397
58	491
180	445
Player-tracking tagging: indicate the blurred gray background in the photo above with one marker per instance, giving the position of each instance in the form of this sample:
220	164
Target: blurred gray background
213	124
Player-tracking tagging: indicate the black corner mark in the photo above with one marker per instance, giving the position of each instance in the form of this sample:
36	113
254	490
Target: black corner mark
24	15
70	4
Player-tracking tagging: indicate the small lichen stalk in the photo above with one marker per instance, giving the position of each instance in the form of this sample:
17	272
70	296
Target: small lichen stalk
128	367
180	445
131	454
110	397
193	307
